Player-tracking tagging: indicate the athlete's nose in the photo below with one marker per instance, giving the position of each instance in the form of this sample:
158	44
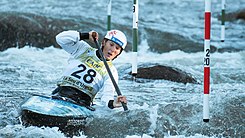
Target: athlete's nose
113	48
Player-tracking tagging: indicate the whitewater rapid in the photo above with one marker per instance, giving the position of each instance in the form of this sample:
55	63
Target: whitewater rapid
158	108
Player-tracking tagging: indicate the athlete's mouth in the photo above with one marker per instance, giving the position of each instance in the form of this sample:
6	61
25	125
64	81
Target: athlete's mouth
109	54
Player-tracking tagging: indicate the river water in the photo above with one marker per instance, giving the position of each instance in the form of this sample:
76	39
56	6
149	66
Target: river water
157	108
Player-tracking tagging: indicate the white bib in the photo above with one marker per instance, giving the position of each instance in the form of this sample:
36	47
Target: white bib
85	72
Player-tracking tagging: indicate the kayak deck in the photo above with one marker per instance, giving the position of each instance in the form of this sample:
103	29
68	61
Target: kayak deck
46	111
55	107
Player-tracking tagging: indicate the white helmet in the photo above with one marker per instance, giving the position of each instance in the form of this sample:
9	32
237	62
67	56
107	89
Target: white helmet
117	37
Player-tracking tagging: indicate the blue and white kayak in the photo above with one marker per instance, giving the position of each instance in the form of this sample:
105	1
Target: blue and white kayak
47	111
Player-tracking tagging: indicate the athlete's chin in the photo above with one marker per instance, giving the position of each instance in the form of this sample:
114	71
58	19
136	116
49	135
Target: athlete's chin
109	57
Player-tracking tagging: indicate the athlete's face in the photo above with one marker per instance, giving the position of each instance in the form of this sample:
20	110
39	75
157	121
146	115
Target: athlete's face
111	50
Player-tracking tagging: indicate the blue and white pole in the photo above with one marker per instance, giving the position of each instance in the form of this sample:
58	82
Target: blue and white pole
135	37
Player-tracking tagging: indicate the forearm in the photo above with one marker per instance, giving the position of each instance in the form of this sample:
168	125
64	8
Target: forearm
69	40
117	102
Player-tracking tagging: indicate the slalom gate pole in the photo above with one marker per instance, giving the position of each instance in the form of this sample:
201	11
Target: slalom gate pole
207	60
109	16
109	71
222	21
135	37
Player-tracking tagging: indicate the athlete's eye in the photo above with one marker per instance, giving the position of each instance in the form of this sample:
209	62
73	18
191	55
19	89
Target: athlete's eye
118	47
111	44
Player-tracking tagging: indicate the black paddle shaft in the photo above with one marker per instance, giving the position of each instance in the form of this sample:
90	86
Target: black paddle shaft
109	71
